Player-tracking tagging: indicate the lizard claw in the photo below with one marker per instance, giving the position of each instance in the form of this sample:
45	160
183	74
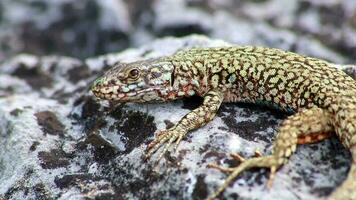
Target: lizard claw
166	138
263	161
240	158
218	167
237	157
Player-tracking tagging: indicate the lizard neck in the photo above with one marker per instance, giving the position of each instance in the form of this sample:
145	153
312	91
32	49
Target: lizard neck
189	78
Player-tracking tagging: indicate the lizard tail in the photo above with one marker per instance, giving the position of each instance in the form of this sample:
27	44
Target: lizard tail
347	190
345	127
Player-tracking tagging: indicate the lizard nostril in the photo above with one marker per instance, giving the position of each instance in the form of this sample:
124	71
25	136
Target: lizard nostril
112	82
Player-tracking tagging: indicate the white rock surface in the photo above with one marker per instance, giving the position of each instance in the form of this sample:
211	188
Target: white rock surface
57	142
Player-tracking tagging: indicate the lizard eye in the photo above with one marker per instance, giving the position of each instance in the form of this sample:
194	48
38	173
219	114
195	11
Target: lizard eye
134	73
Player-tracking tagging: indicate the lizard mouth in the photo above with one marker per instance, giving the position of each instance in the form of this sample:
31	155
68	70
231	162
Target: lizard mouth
132	96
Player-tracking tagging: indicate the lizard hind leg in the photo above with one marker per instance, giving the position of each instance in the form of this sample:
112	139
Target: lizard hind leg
309	121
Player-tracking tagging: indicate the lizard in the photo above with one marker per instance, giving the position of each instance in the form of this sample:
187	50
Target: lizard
321	98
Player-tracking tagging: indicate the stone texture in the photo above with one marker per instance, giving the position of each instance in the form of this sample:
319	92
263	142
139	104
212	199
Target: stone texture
58	142
94	27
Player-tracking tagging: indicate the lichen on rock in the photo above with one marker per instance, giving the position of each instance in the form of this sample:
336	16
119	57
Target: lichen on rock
59	141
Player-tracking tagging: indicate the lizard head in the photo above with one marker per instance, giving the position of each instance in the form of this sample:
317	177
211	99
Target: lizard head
142	81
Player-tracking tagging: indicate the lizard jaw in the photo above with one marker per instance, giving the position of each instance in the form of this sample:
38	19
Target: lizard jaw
143	95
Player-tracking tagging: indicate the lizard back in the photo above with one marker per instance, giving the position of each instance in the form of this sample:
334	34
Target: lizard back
271	77
262	75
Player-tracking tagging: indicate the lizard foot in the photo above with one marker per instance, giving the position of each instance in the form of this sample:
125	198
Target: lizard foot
271	162
167	138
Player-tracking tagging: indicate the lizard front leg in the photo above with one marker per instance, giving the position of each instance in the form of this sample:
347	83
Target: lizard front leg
194	119
299	125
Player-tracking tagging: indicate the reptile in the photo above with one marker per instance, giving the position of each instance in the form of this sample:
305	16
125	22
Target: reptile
321	98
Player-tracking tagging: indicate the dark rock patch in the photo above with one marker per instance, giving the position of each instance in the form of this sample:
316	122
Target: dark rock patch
35	77
91	116
180	30
200	190
169	124
248	129
351	71
136	126
73	179
34	145
38	191
41	191
78	73
120	172
55	158
139	10
76	18
103	150
50	123
323	191
4	92
90	107
333	15
62	96
16	112
88	184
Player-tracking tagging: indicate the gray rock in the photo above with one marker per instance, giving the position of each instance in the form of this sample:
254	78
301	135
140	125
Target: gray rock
58	142
89	28
76	28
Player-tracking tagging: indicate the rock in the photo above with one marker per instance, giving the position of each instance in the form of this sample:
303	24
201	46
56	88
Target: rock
275	23
172	19
49	123
349	69
75	28
59	142
89	28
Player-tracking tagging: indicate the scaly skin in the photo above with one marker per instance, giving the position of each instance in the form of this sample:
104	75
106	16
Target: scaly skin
322	98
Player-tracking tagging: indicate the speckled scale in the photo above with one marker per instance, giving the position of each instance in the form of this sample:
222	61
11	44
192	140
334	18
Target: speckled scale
288	81
258	67
322	97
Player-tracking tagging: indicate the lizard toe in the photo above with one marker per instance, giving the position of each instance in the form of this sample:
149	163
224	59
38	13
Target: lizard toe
264	161
165	138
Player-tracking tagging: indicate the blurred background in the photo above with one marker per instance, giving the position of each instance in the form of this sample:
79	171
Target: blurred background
58	142
88	28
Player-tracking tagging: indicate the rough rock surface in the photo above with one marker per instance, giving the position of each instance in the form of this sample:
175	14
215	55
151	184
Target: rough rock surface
58	142
65	27
93	27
